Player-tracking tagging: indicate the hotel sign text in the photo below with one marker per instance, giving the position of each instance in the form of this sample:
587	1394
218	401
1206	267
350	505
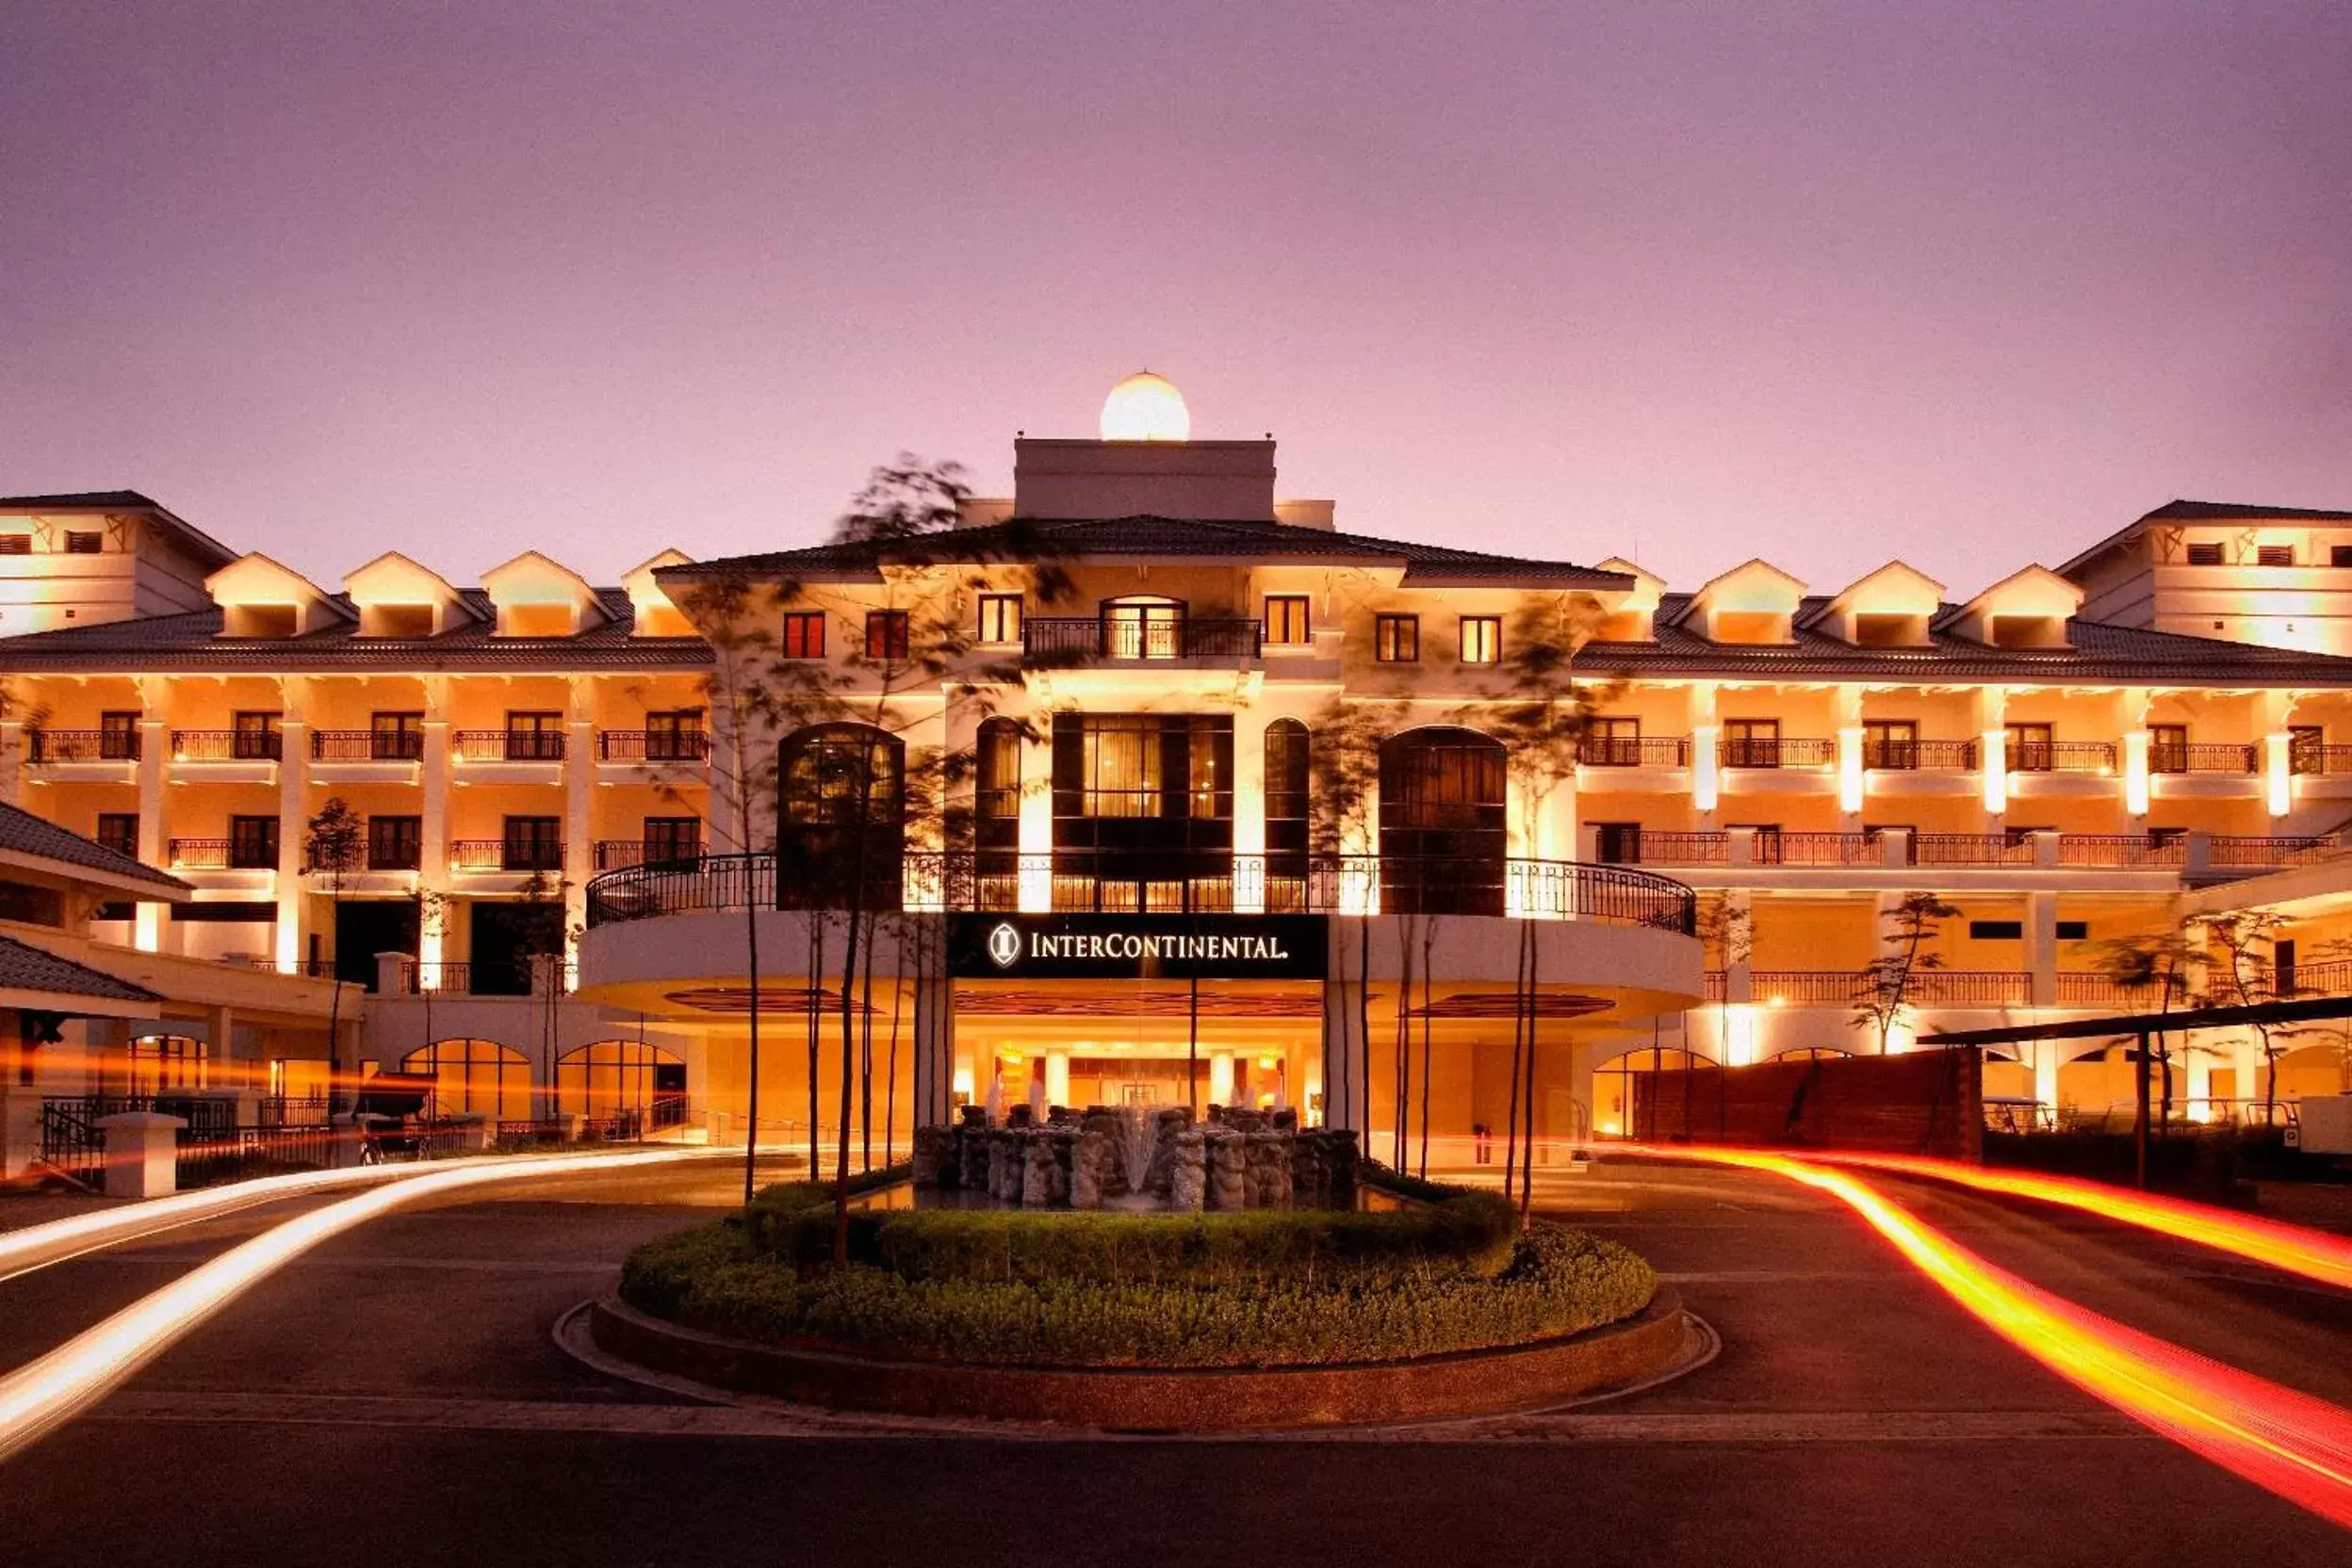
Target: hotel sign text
1110	947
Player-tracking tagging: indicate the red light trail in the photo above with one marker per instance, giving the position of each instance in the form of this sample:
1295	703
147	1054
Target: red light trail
2313	1254
2284	1441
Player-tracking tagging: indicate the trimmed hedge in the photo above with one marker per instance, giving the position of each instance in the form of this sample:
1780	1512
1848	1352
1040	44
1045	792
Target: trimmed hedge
1462	1233
1557	1282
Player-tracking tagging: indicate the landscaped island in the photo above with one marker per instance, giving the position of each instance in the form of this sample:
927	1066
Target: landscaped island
1450	1270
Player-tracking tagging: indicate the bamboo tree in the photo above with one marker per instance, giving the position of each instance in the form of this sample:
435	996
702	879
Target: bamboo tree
334	840
1887	981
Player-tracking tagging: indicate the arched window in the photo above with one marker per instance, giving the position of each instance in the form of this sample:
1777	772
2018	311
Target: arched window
160	1064
1286	823
1443	839
996	814
479	1077
623	1082
1143	626
842	802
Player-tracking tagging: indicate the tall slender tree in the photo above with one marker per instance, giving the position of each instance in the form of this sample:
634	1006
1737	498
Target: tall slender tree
335	841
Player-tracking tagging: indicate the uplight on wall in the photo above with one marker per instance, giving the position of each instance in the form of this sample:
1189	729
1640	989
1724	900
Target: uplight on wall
1996	759
1705	784
2279	773
1850	770
2136	771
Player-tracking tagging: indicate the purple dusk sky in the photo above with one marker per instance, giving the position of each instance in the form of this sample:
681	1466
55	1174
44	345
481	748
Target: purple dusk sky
1971	283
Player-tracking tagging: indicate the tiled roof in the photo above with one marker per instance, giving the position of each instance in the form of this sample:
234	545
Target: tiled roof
122	501
2198	511
24	968
1156	536
2097	651
2193	512
192	640
26	834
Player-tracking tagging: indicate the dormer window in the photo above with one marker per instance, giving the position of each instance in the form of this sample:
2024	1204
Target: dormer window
260	620
2205	555
395	620
2273	555
83	541
16	544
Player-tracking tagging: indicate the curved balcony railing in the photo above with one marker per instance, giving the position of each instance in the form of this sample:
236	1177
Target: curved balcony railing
985	881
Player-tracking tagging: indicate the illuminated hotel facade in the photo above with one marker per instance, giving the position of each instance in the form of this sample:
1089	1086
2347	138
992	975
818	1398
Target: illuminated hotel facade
1242	812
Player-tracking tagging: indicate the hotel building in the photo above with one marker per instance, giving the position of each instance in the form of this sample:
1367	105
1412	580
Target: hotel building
1171	787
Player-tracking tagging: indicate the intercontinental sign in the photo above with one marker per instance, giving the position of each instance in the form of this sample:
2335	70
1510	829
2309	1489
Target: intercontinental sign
1232	947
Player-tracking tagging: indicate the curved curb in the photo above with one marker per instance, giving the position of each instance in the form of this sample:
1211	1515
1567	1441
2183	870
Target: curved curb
1638	1351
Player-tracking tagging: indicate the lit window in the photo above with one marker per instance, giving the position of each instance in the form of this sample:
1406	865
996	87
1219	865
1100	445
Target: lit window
804	634
1000	617
1396	639
1287	623
1481	639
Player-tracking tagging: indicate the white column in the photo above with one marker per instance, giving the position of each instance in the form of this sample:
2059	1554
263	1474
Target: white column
1851	778
433	873
1037	819
1992	755
2278	773
2048	1056
1248	814
1057	1077
1706	775
579	809
154	750
293	821
1221	1078
2041	945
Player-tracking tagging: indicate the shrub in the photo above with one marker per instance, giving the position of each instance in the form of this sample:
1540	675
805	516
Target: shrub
1555	1282
1468	1232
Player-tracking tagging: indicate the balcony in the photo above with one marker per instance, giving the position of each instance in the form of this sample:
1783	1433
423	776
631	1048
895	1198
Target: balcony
1919	756
1634	751
1207	884
521	856
1933	987
227	745
1751	752
223	855
2091	757
82	745
368	745
2315	761
616	854
1078	640
507	745
2202	758
652	745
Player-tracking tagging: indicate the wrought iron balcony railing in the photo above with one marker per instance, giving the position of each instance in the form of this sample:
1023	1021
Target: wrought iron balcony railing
508	745
227	745
652	745
83	745
986	880
1079	639
1634	751
368	745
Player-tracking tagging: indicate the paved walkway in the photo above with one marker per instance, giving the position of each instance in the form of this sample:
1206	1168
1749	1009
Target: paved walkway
402	1386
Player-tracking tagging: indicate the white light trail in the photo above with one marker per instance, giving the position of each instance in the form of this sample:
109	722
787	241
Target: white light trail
42	1395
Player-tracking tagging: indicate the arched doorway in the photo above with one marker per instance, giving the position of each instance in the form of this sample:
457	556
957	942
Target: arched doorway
623	1081
477	1077
841	803
1443	825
